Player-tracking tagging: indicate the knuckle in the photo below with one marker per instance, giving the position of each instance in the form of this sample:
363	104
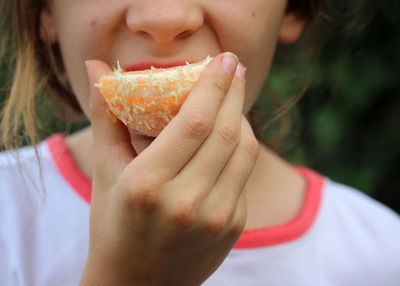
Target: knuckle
197	125
184	213
216	225
237	229
215	82
219	84
143	195
251	146
228	132
238	225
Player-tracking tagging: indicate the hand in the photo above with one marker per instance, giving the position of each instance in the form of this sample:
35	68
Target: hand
170	215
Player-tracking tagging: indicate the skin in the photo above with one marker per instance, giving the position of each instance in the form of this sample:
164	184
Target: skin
152	195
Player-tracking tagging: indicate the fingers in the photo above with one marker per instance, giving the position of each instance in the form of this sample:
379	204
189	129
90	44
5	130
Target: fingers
239	218
111	140
174	147
214	153
234	176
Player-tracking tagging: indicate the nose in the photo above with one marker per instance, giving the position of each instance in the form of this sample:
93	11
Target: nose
164	20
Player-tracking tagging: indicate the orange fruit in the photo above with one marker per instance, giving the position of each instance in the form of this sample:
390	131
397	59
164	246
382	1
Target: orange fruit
147	100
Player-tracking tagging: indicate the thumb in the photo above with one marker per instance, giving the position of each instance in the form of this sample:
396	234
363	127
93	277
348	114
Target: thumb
111	139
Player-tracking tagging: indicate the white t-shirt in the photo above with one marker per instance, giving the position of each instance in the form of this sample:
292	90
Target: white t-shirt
340	237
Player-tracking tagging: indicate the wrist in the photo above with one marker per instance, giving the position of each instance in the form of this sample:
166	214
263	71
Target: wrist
96	274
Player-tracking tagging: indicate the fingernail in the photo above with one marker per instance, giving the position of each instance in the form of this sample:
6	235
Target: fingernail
229	62
87	62
241	72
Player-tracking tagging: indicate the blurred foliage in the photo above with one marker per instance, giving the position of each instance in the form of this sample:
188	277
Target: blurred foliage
347	124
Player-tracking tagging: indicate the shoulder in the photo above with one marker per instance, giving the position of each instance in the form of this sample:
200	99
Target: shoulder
23	156
346	214
40	214
358	208
359	232
22	175
20	171
23	167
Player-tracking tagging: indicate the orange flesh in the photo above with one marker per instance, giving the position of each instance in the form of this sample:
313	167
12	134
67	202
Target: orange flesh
146	101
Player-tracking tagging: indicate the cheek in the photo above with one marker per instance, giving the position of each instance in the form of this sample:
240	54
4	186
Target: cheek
81	37
74	63
74	56
253	35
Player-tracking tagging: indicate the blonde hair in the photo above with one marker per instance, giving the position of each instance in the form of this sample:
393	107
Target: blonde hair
39	70
37	67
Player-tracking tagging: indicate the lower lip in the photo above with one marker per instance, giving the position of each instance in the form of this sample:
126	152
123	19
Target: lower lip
145	66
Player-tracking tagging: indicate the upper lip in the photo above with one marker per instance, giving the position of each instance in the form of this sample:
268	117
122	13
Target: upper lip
148	65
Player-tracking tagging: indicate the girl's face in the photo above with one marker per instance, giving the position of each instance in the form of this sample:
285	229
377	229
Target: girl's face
136	32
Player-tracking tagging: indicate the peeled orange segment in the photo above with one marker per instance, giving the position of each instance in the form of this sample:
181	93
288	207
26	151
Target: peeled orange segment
146	101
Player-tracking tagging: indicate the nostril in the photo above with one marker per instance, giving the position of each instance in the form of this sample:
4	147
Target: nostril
143	34
183	34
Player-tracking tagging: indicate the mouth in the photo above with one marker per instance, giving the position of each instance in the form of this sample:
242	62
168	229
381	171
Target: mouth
148	65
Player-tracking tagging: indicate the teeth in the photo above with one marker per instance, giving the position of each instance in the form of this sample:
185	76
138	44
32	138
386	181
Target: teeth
146	101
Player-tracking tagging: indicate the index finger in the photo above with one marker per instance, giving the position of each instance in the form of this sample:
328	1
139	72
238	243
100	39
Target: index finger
180	139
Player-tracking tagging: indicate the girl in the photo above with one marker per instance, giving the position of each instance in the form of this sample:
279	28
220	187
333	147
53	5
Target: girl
204	202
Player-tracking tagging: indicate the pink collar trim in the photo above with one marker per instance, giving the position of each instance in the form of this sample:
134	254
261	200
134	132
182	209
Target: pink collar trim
68	169
249	239
295	228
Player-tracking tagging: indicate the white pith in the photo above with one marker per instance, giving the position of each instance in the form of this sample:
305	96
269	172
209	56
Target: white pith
157	83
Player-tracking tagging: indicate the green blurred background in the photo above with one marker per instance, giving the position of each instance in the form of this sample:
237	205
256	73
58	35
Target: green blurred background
347	124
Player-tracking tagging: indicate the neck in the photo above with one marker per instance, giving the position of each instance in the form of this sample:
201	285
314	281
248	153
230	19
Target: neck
274	191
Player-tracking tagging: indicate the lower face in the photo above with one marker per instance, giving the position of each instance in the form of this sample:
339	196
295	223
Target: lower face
137	31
